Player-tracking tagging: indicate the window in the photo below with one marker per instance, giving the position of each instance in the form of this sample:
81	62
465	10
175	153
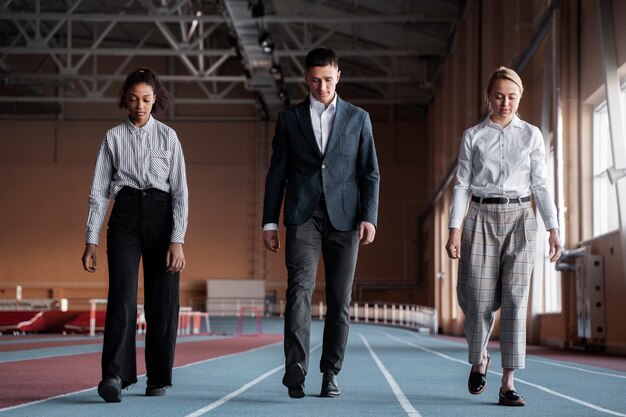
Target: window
546	277
605	214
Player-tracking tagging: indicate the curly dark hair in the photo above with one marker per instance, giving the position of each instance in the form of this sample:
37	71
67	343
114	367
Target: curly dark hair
145	76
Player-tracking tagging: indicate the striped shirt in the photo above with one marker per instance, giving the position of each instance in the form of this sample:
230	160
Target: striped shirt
139	157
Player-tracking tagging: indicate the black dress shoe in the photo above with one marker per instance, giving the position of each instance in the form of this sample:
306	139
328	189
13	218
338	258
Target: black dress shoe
294	380
110	389
330	388
296	392
477	382
511	397
155	390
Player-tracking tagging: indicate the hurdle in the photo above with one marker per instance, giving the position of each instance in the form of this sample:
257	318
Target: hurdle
92	314
189	321
141	319
254	312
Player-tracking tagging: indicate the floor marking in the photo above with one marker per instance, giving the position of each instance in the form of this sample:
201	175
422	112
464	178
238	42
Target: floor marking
531	358
138	376
13	407
233	394
240	390
577	368
402	399
539	387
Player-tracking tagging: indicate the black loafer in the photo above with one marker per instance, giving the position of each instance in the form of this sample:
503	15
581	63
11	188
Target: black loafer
110	389
510	398
330	388
294	380
477	382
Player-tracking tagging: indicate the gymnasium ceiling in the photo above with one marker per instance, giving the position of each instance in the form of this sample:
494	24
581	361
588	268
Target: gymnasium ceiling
221	58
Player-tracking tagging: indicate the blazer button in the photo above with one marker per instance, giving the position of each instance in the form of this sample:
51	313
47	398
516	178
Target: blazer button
323	166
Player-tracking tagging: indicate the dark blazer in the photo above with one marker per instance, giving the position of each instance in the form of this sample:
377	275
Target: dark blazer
347	173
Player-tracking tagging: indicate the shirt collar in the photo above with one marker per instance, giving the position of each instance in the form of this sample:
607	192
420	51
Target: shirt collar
313	102
145	128
515	122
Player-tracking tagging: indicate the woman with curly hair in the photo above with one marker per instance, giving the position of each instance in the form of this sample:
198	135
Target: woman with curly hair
140	164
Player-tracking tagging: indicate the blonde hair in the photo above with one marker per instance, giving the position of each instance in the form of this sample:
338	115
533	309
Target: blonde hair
504	73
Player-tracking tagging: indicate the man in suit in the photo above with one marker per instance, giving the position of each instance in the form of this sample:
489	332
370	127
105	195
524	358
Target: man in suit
324	165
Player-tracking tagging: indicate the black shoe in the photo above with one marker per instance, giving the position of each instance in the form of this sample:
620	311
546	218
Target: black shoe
294	380
155	390
110	389
330	388
511	397
477	382
296	392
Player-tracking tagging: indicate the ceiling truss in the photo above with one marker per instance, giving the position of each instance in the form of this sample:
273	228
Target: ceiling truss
57	52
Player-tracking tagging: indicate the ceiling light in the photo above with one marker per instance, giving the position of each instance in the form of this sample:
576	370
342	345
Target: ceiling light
276	72
266	43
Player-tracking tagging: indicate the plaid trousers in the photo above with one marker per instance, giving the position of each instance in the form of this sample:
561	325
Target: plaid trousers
497	259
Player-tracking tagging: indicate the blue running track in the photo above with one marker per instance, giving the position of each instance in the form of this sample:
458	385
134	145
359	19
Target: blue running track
387	372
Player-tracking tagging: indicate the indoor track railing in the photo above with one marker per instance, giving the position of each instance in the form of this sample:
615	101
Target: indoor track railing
411	316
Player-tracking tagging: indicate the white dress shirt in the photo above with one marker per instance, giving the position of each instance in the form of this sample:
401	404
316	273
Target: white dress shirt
322	119
502	162
139	157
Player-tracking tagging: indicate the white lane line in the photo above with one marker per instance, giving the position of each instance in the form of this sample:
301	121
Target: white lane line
540	387
531	358
13	407
233	394
576	368
402	399
177	367
240	390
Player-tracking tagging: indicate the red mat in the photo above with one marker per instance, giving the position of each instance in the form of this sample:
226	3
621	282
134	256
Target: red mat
36	321
33	380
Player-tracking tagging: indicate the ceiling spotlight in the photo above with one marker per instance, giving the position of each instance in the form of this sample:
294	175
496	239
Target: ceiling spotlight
266	43
276	72
283	94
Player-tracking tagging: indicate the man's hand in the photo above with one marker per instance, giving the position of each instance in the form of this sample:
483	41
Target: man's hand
175	258
90	254
270	238
367	232
453	247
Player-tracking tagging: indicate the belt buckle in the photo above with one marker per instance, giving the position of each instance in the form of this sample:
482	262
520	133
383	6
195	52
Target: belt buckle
507	200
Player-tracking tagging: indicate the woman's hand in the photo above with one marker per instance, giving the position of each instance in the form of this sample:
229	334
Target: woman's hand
453	247
555	245
175	258
90	254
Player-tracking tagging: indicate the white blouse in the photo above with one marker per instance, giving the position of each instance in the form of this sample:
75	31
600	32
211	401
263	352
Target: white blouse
502	162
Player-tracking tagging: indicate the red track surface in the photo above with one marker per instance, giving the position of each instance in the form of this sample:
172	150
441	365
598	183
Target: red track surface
32	380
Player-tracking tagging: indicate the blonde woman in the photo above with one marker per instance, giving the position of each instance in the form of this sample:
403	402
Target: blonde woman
501	164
